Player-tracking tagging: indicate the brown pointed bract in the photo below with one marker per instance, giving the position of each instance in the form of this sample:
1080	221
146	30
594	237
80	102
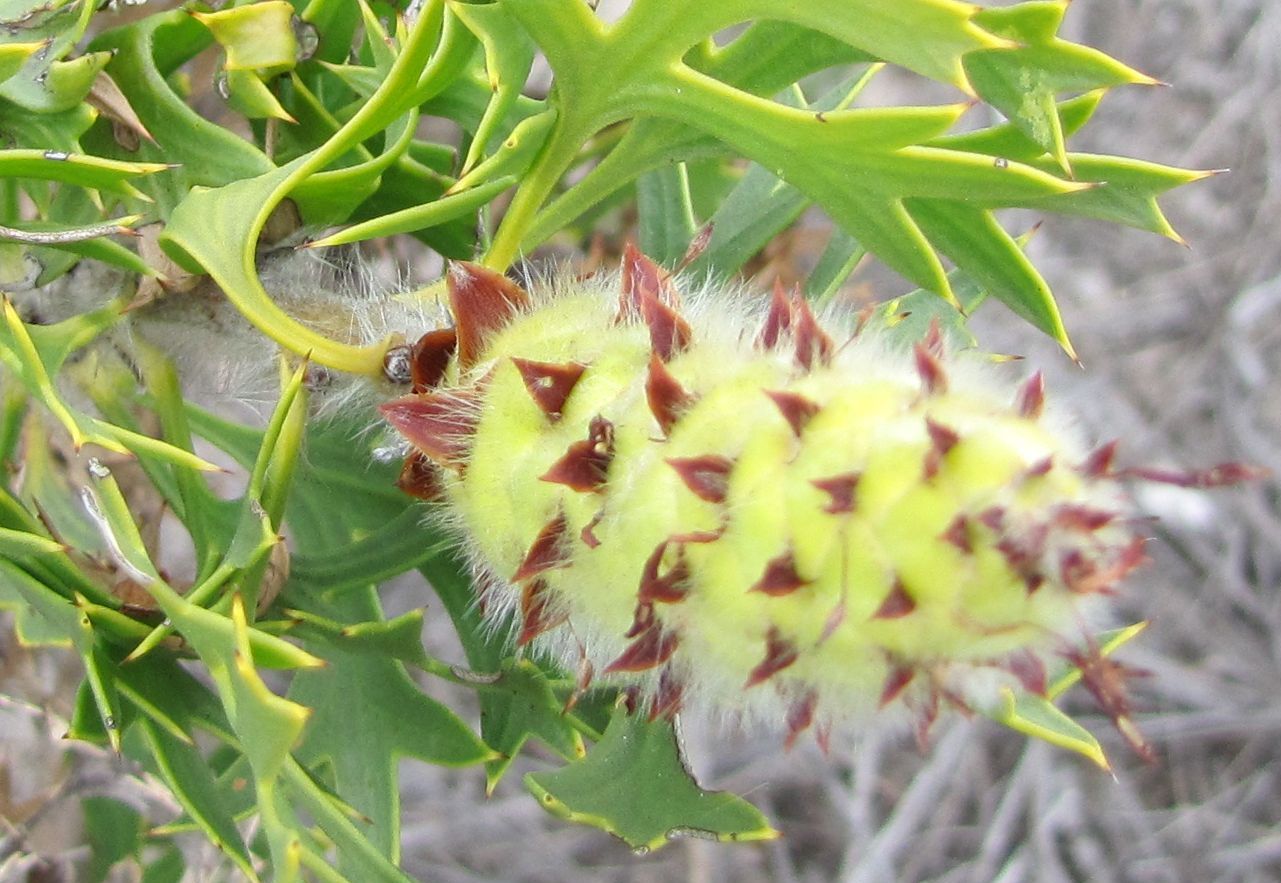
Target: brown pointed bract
930	369
549	383
933	339
1085	519
1031	398
669	333
942	440
796	409
780	577
707	476
697	246
1105	679
667	588
800	715
779	318
535	608
647	294
438	424
588	533
1086	576
641	278
420	478
667	698
1023	555
1216	476
1030	670
779	654
1099	463
667	398
651	648
895	683
958	534
482	302
546	551
429	357
898	603
993	518
841	489
1039	469
585	464
813	345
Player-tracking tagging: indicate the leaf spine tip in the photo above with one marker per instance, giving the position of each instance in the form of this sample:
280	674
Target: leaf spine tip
1221	475
1105	679
697	245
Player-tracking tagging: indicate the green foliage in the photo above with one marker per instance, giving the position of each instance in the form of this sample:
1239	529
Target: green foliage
635	786
323	104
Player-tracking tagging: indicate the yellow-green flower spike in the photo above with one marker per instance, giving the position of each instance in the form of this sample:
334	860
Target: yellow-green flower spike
757	513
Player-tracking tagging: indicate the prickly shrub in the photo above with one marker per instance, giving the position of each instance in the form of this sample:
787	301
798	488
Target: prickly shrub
668	500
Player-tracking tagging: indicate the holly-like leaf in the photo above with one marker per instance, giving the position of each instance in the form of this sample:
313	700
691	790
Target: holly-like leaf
420	217
258	37
190	779
114	831
509	56
110	175
1023	81
367	716
36	353
1039	717
634	785
874	170
519	705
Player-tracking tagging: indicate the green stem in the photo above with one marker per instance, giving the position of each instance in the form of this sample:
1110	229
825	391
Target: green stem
556	158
